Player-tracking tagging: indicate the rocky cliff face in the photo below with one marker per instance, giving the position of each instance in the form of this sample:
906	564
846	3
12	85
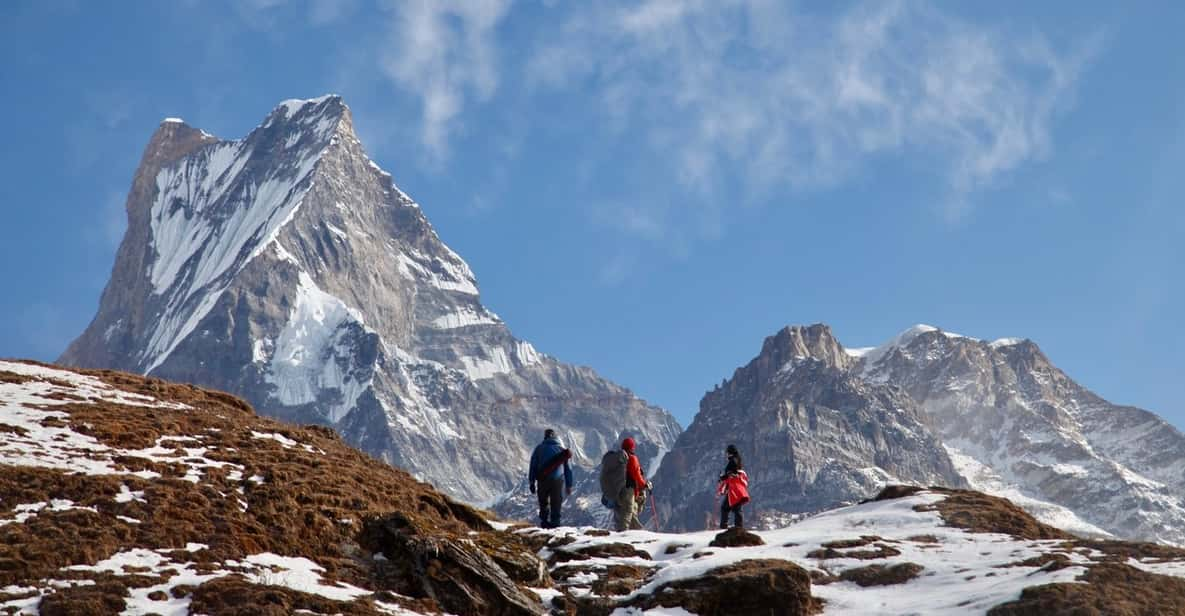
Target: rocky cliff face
287	268
811	432
820	425
1016	424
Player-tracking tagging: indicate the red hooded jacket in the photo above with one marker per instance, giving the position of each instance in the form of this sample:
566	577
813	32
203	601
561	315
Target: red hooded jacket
633	473
737	488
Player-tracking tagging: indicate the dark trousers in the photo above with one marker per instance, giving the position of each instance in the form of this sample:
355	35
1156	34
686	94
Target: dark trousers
551	497
737	517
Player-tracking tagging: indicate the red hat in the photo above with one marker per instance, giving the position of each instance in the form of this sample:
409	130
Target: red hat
627	444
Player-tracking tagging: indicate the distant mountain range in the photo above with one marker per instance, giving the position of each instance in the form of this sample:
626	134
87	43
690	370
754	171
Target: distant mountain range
820	425
287	268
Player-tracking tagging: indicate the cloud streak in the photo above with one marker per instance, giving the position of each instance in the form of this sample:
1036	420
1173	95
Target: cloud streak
444	53
787	99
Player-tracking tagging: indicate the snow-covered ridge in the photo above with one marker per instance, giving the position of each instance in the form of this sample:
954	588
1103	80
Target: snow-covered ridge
293	106
212	215
871	355
874	354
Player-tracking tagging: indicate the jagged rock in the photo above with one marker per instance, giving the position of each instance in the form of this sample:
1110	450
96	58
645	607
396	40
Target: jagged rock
456	575
979	512
287	268
232	596
1110	588
881	575
897	491
101	598
773	587
735	537
600	550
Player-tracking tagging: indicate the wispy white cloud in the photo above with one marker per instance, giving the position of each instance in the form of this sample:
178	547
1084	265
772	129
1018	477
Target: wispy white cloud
325	12
773	98
444	53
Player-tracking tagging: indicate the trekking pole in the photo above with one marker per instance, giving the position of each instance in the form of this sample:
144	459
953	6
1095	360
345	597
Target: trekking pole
654	512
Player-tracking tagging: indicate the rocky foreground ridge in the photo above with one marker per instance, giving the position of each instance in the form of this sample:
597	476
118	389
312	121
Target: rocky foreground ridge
125	494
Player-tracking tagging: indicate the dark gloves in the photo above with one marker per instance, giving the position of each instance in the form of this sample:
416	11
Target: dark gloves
569	490
532	487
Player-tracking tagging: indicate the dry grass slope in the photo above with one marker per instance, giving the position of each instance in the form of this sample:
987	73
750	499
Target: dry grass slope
321	500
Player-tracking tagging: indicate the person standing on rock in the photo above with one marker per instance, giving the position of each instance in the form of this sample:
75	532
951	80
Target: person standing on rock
553	474
633	494
734	487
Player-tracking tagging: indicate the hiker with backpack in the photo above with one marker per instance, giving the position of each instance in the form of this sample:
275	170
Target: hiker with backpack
553	474
623	486
734	487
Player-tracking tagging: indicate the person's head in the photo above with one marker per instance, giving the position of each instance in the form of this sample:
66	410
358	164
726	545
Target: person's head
731	451
549	434
628	444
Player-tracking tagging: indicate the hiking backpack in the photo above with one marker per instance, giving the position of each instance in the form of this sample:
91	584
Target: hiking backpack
612	477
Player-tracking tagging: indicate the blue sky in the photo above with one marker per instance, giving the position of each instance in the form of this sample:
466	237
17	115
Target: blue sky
651	188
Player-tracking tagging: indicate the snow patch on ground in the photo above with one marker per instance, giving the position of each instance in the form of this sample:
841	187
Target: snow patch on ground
286	442
24	406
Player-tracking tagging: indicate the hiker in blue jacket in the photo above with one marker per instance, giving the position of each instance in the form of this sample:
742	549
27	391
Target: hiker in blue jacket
551	471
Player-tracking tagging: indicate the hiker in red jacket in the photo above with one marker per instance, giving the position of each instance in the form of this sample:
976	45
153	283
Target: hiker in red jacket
633	495
734	487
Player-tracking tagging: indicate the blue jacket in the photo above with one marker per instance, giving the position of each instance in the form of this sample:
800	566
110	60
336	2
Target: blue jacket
544	453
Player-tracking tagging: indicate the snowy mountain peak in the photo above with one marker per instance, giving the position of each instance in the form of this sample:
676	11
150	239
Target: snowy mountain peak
803	342
286	267
321	115
902	340
1018	426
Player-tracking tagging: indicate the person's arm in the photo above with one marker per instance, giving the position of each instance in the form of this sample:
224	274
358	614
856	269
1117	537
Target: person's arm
634	469
568	476
534	466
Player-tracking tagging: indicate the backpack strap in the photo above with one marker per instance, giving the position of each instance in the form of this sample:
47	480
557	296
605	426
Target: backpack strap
555	462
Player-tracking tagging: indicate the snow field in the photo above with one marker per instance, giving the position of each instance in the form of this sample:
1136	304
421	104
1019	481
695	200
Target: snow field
980	566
